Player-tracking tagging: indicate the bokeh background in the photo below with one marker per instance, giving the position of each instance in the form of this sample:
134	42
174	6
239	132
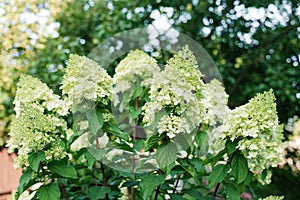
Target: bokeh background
255	45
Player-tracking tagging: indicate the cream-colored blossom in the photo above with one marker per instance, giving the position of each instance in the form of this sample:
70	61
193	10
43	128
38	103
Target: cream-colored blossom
32	90
272	198
215	101
107	116
86	80
137	68
179	87
172	125
291	152
32	130
150	110
37	125
26	195
81	142
256	126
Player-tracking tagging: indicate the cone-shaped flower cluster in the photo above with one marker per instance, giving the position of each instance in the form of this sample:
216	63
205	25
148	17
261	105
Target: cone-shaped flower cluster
85	80
37	125
257	128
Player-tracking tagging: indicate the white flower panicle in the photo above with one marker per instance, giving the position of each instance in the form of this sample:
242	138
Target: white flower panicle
256	126
185	64
137	68
32	90
86	80
32	130
173	125
179	86
272	198
215	101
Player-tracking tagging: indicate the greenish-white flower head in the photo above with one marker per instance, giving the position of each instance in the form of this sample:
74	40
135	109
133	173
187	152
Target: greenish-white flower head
173	125
185	64
272	198
257	128
37	125
85	80
216	110
32	130
32	90
178	87
137	68
215	101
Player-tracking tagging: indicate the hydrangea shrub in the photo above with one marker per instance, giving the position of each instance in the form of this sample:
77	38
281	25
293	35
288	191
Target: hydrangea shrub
145	133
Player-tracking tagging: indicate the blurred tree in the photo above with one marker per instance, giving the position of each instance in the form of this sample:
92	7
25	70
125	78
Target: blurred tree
24	27
254	44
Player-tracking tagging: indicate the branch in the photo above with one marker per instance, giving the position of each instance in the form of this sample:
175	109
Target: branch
104	183
176	184
156	192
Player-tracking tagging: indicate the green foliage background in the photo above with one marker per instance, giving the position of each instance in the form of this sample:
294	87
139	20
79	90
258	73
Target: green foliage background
246	68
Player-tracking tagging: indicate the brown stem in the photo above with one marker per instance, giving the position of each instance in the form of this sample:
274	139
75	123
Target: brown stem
176	184
156	192
42	167
228	162
63	189
104	183
132	193
103	174
216	189
95	172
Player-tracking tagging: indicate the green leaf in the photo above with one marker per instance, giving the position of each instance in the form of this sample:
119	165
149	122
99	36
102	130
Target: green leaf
207	198
152	141
184	140
264	174
90	159
168	168
197	165
201	140
166	155
97	153
232	192
216	158
24	180
231	146
193	193
76	135
62	169
148	184
138	92
49	192
122	145
99	118
239	167
130	183
218	174
176	197
119	133
98	192
187	167
95	120
134	113
35	159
